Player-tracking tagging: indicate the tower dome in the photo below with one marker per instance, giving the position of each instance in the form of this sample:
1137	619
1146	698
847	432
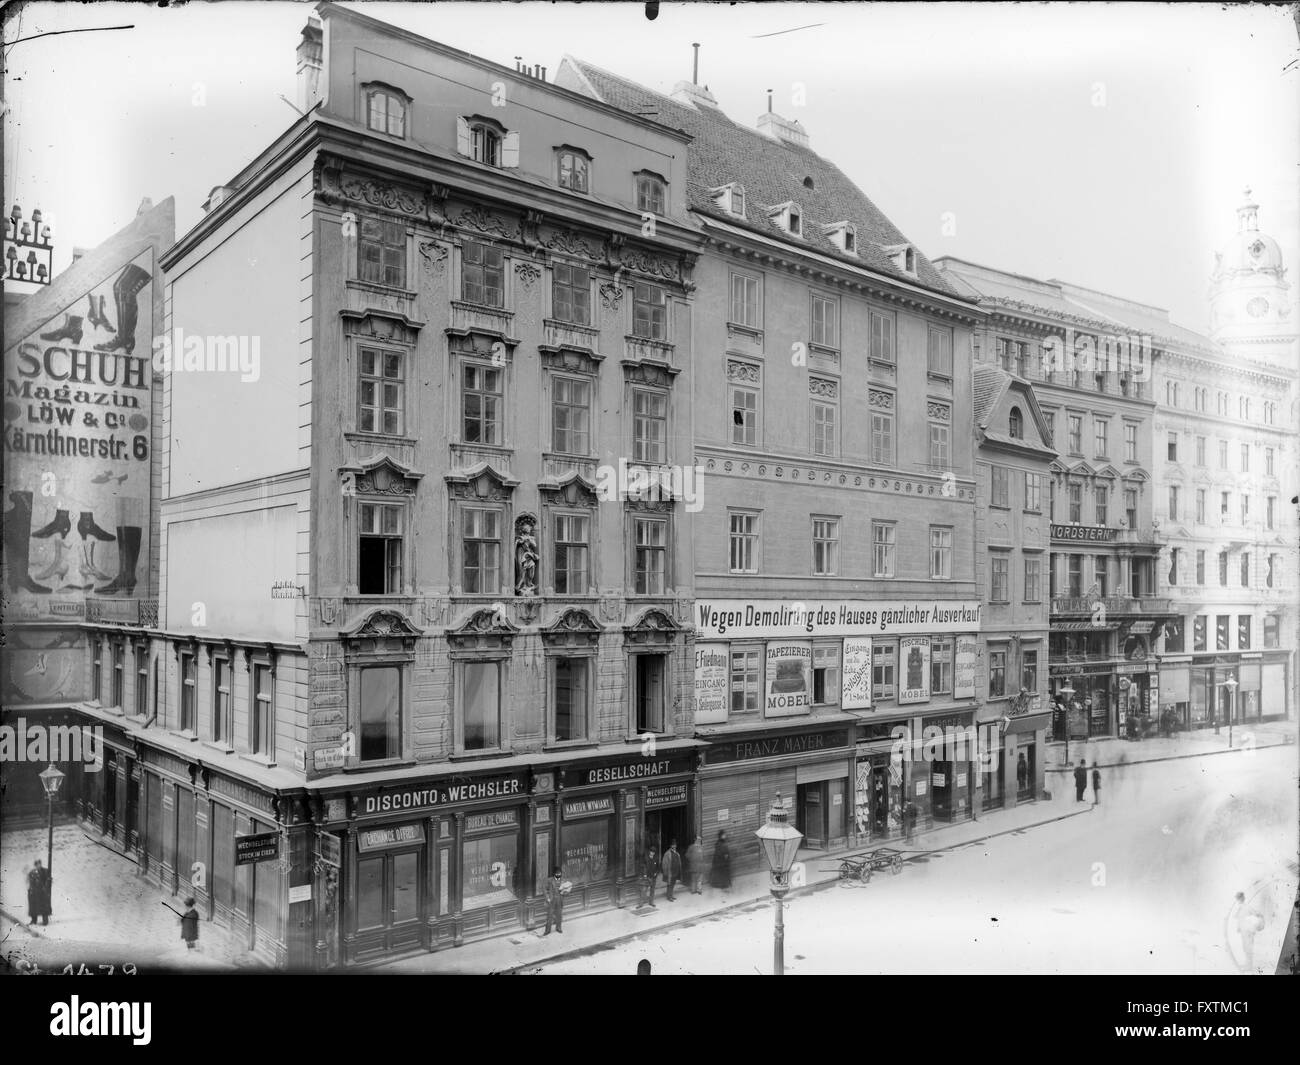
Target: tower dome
1249	251
1248	287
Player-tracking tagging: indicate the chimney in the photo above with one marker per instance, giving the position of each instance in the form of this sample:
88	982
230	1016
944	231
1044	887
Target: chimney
310	53
770	124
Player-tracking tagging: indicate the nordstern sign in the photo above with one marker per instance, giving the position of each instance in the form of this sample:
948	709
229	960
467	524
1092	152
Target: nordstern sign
1091	533
739	618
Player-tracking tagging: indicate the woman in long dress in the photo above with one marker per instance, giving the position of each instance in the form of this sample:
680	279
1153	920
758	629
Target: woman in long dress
720	874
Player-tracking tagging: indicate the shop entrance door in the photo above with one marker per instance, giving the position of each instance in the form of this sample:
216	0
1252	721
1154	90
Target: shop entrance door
812	806
941	794
880	802
664	825
389	893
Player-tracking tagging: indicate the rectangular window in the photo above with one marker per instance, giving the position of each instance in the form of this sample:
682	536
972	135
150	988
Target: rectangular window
481	710
999	578
940	554
1223	454
1272	631
1050	417
649	194
1034	492
1029	670
381	251
483	275
1075	422
882	438
1271	572
571	416
1033	580
379	549
826	675
826	546
381	392
1245	458
648	692
119	673
939	352
1075	491
649	311
574	168
1100	573
262	726
746	301
940	452
882	337
1245	569
571	551
649	427
997	674
1100	433
744	415
1173	502
1221	633
1223	569
744	543
999	478
941	665
188	669
481	404
884	670
1173	565
1224	500
1268	511
1245	508
1174	636
1200	451
1200	506
221	700
825	321
1198	633
1131	507
1268	461
1200	567
651	562
746	680
1074	576
481	546
882	548
571	697
141	681
571	294
1243	632
1130	443
822	419
1101	504
1171	450
381	713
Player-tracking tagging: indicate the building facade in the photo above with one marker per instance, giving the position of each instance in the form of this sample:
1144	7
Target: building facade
1226	434
836	605
1091	375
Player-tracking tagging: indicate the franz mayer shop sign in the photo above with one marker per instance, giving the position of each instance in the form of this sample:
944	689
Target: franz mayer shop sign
723	619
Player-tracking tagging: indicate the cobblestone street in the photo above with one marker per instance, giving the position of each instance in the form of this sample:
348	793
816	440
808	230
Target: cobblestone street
103	913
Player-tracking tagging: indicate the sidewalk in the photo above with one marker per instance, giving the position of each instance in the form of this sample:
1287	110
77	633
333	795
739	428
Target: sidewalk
103	912
1108	753
525	949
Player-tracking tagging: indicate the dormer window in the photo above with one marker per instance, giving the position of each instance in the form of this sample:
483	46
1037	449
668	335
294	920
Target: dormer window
574	169
789	216
650	192
903	256
844	235
487	141
386	110
731	198
1017	424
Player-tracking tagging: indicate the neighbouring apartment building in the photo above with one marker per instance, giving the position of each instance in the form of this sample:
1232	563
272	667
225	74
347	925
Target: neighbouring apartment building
1227	461
1091	375
836	606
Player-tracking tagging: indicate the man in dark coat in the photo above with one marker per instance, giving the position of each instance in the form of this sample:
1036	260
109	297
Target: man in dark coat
649	874
1080	781
672	868
720	875
1022	771
1096	784
554	902
190	925
695	865
38	894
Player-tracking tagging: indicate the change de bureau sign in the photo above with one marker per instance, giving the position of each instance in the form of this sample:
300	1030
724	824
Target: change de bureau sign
732	619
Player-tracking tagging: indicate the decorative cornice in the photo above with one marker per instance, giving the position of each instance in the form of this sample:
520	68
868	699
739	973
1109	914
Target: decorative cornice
765	468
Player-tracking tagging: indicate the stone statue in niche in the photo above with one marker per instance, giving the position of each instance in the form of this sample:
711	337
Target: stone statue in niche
526	556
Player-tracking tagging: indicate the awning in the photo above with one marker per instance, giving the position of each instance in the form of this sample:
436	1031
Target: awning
1140	628
1029	723
1082	626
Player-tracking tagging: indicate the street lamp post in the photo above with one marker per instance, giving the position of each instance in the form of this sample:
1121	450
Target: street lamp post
51	781
1231	685
1067	691
780	842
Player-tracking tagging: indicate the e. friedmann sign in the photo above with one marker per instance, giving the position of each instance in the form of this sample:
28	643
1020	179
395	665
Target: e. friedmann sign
739	618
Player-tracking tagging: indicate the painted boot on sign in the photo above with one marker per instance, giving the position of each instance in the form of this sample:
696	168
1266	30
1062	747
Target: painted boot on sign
61	524
128	555
87	527
70	330
126	289
59	567
103	318
89	571
17	541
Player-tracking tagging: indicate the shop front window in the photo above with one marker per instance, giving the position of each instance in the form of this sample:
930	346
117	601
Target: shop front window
585	851
489	871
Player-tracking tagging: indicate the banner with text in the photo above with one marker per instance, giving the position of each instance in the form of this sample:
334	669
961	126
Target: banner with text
711	680
718	619
967	653
914	669
856	693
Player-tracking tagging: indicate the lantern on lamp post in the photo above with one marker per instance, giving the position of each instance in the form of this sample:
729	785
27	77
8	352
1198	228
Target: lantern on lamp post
51	781
1231	685
780	842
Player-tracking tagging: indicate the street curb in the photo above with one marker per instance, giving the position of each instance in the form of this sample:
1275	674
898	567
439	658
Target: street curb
1168	758
578	952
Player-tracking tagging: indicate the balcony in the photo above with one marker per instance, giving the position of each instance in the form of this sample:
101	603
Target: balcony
141	612
1115	604
473	317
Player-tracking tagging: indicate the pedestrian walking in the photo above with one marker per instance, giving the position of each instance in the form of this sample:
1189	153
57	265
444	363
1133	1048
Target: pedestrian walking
190	925
720	874
672	869
38	894
909	821
1080	781
695	865
649	874
1096	784
1022	772
554	892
